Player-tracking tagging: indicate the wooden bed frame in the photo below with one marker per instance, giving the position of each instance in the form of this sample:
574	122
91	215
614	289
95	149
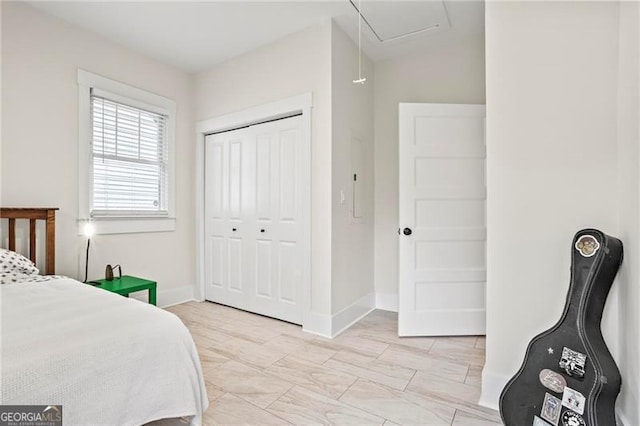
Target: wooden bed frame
34	214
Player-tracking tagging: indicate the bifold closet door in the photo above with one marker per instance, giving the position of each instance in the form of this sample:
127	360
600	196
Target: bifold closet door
253	217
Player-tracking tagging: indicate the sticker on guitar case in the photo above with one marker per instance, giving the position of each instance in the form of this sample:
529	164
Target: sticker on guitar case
587	245
569	418
552	380
573	400
537	421
572	363
551	409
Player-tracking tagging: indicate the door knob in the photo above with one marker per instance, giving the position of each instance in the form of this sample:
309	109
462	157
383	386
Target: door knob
407	231
262	230
233	229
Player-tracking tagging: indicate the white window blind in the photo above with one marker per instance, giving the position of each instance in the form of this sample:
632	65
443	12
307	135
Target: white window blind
129	160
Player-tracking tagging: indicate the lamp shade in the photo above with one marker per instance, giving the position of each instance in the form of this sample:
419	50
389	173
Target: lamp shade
88	229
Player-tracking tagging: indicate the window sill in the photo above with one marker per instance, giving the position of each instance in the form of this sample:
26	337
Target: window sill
129	225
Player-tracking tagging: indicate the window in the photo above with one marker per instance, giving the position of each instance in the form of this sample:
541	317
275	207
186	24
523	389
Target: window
126	167
129	160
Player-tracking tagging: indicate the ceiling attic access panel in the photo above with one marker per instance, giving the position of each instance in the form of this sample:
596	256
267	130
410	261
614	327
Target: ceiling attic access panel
390	21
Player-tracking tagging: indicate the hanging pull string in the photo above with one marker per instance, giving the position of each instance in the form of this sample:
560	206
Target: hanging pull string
360	79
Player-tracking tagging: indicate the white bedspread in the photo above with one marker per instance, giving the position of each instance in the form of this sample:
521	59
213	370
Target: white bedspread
106	359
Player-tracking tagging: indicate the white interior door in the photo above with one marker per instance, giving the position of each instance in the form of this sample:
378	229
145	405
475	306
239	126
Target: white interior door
254	219
442	272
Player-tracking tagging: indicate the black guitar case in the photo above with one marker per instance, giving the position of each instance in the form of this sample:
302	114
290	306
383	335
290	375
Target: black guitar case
568	376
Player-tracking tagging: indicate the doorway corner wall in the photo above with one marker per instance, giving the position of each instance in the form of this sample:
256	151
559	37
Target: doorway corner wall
352	233
320	60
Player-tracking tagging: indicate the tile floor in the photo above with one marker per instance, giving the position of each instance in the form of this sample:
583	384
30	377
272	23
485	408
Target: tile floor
261	371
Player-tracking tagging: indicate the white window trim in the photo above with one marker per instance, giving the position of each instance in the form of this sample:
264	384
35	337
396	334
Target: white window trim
143	99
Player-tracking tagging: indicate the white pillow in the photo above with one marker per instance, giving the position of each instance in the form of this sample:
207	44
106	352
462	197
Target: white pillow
15	267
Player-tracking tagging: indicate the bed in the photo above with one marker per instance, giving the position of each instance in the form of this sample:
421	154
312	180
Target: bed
107	359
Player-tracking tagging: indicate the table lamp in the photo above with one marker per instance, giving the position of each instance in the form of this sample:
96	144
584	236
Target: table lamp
88	232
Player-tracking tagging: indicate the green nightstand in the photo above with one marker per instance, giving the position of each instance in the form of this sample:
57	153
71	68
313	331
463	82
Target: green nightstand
128	284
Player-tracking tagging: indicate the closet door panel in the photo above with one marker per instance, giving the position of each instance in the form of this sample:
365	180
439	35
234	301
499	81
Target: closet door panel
235	179
216	215
260	224
224	165
215	262
216	181
235	264
264	267
263	177
288	289
288	176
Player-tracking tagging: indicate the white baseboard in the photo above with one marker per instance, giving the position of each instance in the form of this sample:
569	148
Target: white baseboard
492	385
330	326
352	314
316	323
627	408
387	301
622	419
168	297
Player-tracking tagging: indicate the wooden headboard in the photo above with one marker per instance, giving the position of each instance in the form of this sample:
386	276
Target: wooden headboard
34	214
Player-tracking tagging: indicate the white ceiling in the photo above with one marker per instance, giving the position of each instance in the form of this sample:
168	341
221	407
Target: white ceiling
194	36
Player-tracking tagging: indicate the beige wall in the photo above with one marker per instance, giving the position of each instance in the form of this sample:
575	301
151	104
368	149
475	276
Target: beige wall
40	59
292	66
552	84
628	353
352	116
450	72
40	69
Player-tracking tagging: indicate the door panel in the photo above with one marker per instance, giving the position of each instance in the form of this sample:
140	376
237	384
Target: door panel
449	172
264	266
235	264
264	180
442	199
235	179
449	255
288	287
258	217
288	147
456	134
216	261
436	295
216	182
449	213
